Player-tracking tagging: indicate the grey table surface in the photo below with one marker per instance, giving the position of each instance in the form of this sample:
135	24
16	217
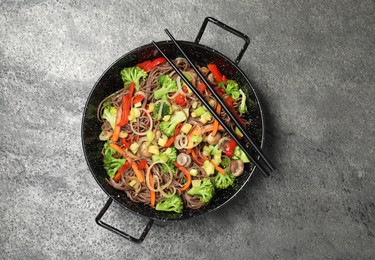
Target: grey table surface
312	64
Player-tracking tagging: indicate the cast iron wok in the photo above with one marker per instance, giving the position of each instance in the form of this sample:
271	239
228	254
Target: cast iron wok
111	81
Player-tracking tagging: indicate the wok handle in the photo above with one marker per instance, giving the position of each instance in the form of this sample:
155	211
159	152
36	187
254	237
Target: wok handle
227	28
119	232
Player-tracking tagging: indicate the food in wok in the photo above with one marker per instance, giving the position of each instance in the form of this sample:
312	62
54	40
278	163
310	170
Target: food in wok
160	144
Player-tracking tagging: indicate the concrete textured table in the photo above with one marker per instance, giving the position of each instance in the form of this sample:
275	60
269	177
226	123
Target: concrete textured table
312	63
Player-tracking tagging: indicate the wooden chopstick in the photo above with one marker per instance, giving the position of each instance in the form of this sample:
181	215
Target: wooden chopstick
207	105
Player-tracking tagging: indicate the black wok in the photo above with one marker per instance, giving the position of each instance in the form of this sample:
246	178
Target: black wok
111	81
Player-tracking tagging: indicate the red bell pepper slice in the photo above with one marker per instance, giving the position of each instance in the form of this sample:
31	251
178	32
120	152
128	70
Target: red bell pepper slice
125	143
142	164
126	106
229	150
229	102
180	100
219	90
143	64
154	63
138	98
121	171
216	73
202	87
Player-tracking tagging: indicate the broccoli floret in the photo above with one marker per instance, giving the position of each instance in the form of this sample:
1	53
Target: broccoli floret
225	162
168	157
167	85
168	127
232	89
109	114
205	190
133	74
173	203
243	107
111	164
165	108
223	181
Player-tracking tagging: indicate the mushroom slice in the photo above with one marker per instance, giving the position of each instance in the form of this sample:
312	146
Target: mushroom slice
237	167
144	150
213	139
184	160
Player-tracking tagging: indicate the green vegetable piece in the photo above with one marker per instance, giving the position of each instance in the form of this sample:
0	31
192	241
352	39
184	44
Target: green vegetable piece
243	107
133	74
134	113
160	157
199	111
169	156
238	132
167	85
196	183
196	139
216	152
111	164
150	136
193	172
207	150
205	191
225	162
109	114
168	128
132	183
173	203
232	89
165	110
209	167
205	117
134	147
238	153
223	181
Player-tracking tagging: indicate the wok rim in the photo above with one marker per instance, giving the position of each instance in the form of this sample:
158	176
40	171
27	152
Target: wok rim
117	199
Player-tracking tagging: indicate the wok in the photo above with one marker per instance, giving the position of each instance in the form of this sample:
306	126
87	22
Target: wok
111	81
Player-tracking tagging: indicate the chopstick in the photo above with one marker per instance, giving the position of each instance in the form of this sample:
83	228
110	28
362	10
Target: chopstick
207	105
222	103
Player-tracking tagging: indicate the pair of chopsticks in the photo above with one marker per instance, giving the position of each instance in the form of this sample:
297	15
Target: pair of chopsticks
245	133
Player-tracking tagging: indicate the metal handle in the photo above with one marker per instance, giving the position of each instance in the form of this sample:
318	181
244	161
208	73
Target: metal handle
119	232
227	28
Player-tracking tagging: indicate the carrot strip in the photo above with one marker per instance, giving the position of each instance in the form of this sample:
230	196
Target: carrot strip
216	123
176	132
187	175
218	168
137	172
117	148
152	193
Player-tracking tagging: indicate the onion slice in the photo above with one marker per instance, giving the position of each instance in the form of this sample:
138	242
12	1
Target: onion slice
160	188
150	118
